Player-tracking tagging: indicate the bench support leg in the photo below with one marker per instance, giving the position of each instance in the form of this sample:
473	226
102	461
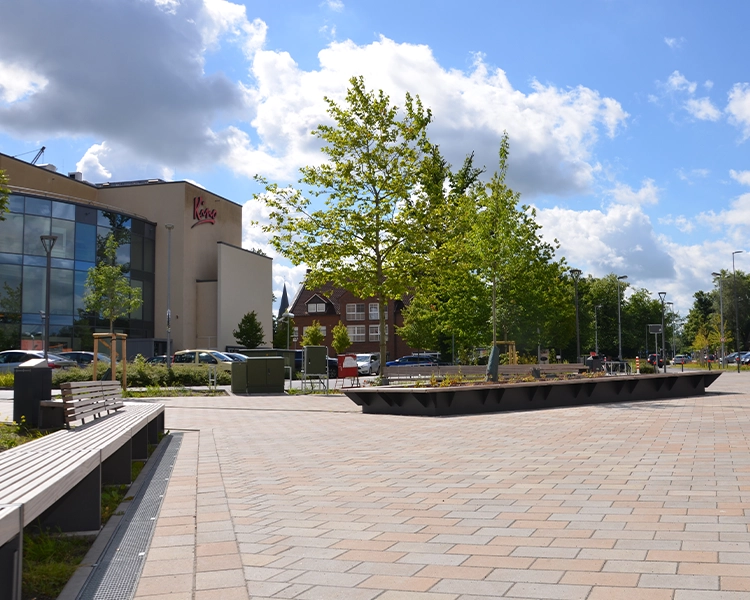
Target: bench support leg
80	509
140	444
153	431
116	469
10	569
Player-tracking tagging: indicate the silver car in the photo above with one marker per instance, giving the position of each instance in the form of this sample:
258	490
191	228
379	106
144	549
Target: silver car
10	359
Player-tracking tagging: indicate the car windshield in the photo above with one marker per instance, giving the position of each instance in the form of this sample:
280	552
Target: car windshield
363	357
221	357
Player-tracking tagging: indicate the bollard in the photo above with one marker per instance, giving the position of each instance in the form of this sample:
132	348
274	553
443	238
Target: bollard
637	365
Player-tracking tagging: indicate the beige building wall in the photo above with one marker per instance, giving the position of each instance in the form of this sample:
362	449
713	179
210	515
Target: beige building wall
207	298
245	284
194	247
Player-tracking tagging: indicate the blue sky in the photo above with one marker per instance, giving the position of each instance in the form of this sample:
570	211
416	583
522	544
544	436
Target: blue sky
629	121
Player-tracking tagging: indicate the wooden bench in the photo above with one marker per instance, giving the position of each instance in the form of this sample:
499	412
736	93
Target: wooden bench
57	479
81	400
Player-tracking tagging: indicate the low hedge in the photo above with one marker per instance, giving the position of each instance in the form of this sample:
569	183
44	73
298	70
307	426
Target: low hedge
143	374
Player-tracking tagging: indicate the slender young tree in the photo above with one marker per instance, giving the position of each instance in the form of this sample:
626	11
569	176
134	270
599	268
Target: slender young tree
249	332
108	291
369	236
4	193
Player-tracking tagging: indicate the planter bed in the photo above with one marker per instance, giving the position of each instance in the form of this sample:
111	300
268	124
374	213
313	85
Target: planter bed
499	397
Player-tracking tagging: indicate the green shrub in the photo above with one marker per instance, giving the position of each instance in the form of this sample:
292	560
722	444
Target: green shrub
646	369
6	380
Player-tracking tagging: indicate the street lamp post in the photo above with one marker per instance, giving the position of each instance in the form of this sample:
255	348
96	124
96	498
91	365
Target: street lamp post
576	273
662	295
721	315
596	329
169	227
288	316
619	319
48	241
671	312
736	309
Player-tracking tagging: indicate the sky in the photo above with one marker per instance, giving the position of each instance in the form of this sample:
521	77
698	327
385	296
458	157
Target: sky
629	120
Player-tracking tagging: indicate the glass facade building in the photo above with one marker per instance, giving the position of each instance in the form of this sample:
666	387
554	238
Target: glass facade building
81	230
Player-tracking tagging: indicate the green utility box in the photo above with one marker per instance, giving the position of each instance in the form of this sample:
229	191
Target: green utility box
265	375
239	378
316	360
288	355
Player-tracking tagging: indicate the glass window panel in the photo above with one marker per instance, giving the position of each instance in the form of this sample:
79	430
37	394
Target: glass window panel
11	233
136	252
33	289
85	242
37	206
61	292
64	210
82	265
148	255
148	301
14	259
33	228
62	263
10	290
37	261
86	214
10	335
65	246
123	256
137	314
79	290
15	203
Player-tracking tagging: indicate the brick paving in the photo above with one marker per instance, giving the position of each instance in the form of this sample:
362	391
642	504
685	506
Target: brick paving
305	497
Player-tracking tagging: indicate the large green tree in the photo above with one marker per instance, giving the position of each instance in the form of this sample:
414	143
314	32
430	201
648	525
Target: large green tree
369	235
108	290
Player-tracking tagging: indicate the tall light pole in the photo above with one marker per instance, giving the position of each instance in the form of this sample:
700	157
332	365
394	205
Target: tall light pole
48	241
619	319
721	314
596	329
169	227
671	312
736	310
662	295
576	274
288	316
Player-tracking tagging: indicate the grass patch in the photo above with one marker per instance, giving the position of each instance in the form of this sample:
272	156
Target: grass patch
14	434
167	392
49	561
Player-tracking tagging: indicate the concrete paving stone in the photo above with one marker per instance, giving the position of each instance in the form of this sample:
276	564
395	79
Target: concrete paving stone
740	558
637	566
232	593
290	591
454	572
175	566
425	558
529	575
543	591
393	582
628	593
688	582
404	595
708	595
327	578
321	592
150	586
492	589
218	562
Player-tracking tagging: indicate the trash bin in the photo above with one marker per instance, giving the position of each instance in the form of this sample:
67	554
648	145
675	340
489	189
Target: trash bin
31	385
594	363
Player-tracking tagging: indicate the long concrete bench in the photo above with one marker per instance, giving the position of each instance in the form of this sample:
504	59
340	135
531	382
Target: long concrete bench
57	480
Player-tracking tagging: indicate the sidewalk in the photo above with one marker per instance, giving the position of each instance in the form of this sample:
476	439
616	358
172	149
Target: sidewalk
305	497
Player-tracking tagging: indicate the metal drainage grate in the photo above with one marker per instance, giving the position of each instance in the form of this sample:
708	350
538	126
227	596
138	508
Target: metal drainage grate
116	575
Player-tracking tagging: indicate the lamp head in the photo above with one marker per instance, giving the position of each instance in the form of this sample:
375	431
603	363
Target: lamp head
622	277
169	226
662	295
576	273
48	241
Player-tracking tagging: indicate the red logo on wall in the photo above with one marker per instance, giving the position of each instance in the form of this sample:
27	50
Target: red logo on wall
201	214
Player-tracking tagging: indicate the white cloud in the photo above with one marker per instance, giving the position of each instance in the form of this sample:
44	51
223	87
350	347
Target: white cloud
679	83
674	43
689	176
742	177
739	108
335	5
624	194
703	109
708	84
680	222
18	82
552	131
91	166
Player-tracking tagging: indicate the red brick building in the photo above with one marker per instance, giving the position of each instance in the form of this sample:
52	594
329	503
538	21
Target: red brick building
330	305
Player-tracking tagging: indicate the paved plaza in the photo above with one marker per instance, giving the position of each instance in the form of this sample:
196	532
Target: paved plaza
305	497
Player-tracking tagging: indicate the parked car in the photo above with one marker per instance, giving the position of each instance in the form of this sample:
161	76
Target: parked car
413	360
680	359
652	360
161	359
235	356
83	359
369	363
10	359
333	364
203	357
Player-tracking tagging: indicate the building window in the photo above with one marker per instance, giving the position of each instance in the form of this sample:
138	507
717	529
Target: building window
295	333
374	312
375	333
355	312
356	332
316	307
